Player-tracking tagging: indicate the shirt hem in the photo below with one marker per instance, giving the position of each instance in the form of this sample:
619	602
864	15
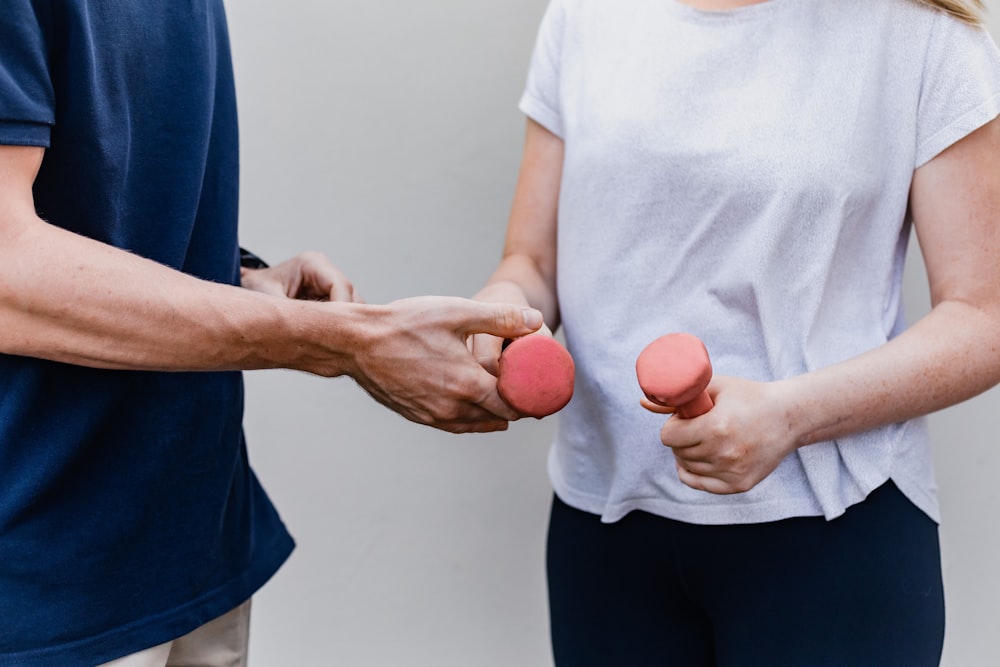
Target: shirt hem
722	515
541	113
925	501
164	627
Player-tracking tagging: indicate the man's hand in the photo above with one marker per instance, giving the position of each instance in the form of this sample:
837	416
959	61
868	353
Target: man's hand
309	276
415	360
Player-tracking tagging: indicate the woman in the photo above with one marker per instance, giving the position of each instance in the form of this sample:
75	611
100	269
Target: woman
749	172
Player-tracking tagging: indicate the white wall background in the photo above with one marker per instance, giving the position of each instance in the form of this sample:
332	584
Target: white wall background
386	134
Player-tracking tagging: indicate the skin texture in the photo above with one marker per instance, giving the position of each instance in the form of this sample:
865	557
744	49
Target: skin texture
67	298
527	270
944	358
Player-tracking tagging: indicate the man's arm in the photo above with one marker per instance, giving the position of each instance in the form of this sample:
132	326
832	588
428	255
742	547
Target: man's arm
71	299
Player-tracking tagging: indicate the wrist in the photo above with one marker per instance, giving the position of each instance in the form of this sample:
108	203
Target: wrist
502	291
323	338
800	414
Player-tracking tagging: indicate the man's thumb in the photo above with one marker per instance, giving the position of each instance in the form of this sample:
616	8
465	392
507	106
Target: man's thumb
507	320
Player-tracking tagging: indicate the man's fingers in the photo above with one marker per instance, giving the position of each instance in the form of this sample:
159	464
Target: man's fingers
263	281
456	391
478	427
483	417
492	403
318	277
502	320
327	282
272	287
452	414
343	291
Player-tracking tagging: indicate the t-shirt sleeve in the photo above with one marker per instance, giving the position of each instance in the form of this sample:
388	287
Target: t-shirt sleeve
540	100
961	86
27	101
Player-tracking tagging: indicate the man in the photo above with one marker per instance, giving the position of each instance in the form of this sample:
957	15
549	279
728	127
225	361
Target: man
130	521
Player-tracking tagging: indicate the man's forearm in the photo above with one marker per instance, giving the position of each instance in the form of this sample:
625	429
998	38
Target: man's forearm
71	299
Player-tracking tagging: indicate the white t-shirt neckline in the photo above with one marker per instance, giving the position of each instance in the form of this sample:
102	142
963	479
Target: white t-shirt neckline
754	12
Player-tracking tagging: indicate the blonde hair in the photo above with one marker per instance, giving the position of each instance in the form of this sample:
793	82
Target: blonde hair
969	11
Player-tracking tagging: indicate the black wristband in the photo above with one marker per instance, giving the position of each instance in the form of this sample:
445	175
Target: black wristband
248	260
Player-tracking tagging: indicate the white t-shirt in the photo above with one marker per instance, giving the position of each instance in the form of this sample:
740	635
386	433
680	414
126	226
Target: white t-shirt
743	176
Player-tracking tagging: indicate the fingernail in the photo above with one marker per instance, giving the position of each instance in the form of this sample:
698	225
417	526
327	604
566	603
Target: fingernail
532	318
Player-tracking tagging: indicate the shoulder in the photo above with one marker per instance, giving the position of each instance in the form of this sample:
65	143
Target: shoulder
923	18
877	15
910	30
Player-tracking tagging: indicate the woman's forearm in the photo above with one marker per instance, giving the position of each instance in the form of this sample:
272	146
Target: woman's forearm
518	279
948	356
527	271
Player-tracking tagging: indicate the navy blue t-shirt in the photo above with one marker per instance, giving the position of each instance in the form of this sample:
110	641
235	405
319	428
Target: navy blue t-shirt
128	512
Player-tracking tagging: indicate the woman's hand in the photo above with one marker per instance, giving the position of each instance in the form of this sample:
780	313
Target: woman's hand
487	349
309	276
736	444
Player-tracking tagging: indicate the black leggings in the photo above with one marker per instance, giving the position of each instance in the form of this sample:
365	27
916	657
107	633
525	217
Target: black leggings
863	589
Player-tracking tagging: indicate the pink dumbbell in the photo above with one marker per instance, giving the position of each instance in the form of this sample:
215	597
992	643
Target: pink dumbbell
536	376
673	371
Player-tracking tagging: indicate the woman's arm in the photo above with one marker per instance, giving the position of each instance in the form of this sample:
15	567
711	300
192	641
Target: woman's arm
948	356
527	270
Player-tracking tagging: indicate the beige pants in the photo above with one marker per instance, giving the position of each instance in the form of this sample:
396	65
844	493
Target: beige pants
219	643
